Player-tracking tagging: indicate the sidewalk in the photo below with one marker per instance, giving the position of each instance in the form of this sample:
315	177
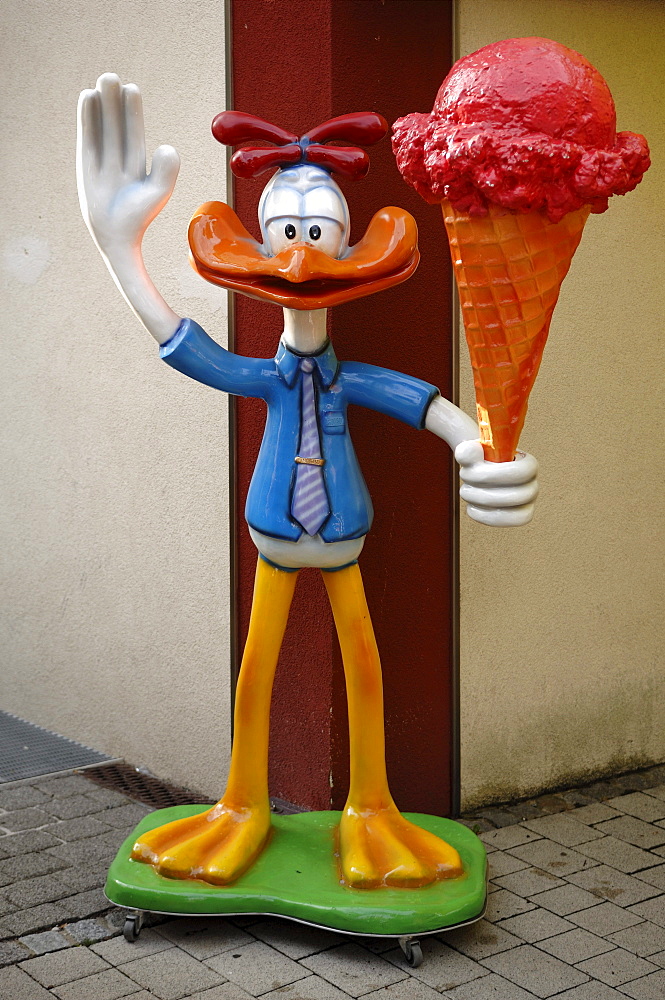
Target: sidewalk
576	910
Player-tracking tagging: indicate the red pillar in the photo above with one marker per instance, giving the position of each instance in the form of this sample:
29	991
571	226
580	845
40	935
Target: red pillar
297	63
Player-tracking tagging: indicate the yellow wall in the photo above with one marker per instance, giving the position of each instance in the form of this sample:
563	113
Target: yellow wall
561	622
114	577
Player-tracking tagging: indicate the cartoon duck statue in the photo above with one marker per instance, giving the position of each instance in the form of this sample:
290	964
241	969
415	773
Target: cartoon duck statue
307	506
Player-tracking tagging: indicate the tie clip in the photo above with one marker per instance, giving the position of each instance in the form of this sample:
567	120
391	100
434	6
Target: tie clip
310	461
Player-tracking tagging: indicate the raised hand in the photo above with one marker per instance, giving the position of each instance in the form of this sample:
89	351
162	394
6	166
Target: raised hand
118	199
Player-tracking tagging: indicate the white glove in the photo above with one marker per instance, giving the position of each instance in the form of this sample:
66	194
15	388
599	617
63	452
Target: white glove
118	199
497	493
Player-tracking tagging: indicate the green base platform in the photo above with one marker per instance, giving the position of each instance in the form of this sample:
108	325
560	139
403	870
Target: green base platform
296	877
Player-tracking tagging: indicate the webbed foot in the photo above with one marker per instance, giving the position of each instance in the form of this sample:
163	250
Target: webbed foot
381	847
215	846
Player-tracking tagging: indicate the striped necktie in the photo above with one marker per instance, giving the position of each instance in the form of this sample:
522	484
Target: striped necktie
310	506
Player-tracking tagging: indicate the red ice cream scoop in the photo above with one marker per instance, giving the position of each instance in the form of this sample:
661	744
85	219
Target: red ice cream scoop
526	124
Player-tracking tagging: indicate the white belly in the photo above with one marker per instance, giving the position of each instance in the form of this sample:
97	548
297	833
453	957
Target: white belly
309	550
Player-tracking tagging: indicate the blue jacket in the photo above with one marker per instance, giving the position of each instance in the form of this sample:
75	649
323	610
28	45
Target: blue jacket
278	380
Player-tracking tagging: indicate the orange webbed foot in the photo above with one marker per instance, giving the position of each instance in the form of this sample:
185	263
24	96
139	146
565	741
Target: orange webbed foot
380	847
215	846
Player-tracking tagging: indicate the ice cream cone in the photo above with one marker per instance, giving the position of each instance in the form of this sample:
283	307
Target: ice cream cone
509	268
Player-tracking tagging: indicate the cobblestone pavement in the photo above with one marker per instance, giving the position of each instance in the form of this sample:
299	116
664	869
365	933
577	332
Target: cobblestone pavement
576	910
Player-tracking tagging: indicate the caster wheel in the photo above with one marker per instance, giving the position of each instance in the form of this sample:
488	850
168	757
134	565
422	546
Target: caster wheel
413	953
132	927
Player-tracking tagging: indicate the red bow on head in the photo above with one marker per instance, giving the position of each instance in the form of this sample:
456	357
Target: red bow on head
363	127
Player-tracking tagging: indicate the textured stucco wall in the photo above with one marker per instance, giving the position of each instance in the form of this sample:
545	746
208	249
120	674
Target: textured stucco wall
561	621
115	583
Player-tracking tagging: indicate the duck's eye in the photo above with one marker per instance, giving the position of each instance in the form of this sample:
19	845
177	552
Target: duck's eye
314	232
290	231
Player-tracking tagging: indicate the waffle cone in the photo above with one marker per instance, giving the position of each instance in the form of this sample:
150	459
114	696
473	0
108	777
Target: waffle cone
509	268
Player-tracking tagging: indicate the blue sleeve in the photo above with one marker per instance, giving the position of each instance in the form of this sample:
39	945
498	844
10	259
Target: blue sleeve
192	352
398	395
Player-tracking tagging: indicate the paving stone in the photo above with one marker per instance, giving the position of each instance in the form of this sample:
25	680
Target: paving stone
503	864
499	817
480	939
525	810
410	989
15	984
35	919
83	852
610	884
70	808
660	851
633	831
203	937
575	946
108	985
576	797
64	966
532	969
227	991
21	797
17	869
553	857
126	817
77	829
476	823
564	900
529	881
12	952
562	829
602	790
502	904
120	952
490	987
34	891
173	973
24	819
315	988
89	931
593	990
353	969
5	905
658	792
649	988
84	877
596	813
653	876
84	904
108	797
553	803
651	909
643	939
606	918
617	967
510	836
294	940
64	786
536	925
442	968
643	806
618	854
658	959
40	944
26	843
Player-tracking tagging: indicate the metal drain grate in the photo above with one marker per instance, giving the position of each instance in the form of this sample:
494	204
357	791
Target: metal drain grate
28	751
143	787
151	791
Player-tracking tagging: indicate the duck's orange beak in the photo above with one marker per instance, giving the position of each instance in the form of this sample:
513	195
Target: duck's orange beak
302	277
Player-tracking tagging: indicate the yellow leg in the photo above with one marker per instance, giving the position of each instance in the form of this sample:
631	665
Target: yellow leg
377	845
219	845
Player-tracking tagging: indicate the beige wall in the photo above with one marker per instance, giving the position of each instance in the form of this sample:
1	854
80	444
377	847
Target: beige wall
561	621
115	580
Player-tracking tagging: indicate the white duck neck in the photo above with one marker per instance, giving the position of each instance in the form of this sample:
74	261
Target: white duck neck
305	330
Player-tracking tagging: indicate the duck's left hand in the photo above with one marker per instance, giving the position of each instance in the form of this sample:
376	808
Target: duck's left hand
497	493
